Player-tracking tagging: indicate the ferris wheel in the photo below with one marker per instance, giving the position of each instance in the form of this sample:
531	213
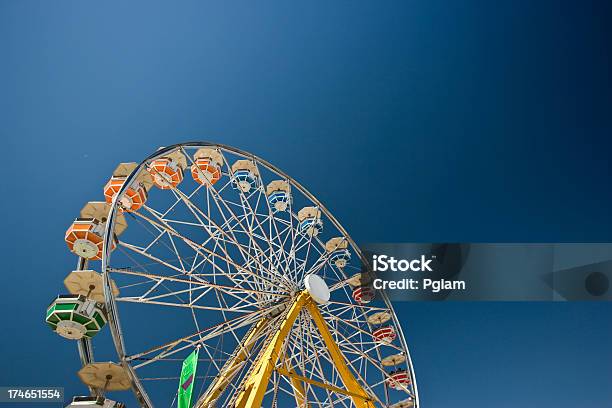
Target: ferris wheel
209	253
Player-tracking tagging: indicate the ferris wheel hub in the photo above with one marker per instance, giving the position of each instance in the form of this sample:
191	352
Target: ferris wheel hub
317	288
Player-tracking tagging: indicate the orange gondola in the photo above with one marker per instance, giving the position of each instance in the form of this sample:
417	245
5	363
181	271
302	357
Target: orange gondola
135	195
167	171
206	167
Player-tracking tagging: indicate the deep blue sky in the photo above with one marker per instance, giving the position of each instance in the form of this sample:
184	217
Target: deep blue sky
411	120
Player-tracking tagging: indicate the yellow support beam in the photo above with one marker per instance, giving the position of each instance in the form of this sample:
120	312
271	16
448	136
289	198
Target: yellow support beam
256	384
230	369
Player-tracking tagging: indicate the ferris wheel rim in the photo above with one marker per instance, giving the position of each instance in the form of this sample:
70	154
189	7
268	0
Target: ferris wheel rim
109	296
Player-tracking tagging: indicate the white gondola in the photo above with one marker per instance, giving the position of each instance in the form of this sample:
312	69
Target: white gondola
244	175
337	250
94	402
310	222
279	195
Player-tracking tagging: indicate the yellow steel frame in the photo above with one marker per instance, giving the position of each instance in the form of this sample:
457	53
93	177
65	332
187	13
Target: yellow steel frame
256	383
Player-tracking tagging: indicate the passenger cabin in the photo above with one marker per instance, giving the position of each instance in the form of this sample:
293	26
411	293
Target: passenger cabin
337	250
310	222
385	335
135	195
206	167
85	236
279	195
398	379
244	175
167	172
363	294
94	402
75	316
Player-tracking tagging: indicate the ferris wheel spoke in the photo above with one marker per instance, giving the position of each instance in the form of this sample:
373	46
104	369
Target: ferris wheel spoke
243	298
165	222
297	387
142	283
250	233
180	344
178	200
356	306
198	248
166	227
339	285
142	252
152	298
253	254
197	213
274	222
284	263
225	288
317	365
160	261
236	277
220	203
286	259
182	305
293	262
248	209
314	245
